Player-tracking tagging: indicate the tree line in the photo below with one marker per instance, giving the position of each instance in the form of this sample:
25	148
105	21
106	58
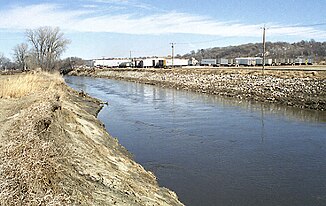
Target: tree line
305	49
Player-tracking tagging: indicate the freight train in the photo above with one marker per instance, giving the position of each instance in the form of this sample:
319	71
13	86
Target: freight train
255	61
161	62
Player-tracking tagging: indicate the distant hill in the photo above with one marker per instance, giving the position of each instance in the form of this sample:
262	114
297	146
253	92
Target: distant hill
306	49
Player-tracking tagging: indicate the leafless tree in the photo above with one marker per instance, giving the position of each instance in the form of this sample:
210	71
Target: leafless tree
4	62
48	44
20	55
1	58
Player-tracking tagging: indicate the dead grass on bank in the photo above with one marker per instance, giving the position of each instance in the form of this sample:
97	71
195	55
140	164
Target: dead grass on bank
23	84
52	152
30	162
30	157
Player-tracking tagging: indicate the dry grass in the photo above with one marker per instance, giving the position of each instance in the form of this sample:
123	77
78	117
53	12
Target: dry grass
53	152
30	159
24	84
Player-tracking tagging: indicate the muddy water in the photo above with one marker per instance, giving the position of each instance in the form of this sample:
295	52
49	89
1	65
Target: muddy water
217	151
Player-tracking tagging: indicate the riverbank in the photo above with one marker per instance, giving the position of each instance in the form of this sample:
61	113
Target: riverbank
53	150
302	89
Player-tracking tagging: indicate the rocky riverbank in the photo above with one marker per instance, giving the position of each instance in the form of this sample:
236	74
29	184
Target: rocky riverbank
303	89
53	150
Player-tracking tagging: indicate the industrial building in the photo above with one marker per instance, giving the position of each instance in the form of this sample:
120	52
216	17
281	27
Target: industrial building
110	63
157	62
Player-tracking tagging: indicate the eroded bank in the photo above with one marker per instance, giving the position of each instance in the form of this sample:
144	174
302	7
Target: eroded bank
53	150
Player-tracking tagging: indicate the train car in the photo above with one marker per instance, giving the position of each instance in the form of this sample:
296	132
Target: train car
222	62
231	62
162	62
283	61
126	64
299	61
268	62
309	61
98	63
259	61
276	62
208	62
177	62
291	61
148	62
286	61
137	62
245	61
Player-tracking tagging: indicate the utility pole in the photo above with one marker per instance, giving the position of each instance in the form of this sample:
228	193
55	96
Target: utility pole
172	45
131	62
264	45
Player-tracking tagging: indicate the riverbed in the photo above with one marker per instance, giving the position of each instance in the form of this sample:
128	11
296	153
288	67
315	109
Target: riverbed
217	151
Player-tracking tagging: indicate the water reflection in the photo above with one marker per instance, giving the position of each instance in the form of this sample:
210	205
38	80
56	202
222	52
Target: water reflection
217	151
270	109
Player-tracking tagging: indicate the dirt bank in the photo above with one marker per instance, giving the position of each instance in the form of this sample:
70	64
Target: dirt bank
53	150
303	89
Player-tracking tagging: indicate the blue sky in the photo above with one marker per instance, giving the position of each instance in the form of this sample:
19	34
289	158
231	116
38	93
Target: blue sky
113	28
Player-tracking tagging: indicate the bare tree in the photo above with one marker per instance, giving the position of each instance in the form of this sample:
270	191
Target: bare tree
20	55
48	44
4	62
1	59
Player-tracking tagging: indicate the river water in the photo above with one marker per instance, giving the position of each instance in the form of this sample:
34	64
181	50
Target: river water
217	151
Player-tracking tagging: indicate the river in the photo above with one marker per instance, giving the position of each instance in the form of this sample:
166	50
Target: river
212	150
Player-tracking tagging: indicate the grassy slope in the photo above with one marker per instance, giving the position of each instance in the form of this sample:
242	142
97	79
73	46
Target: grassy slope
53	152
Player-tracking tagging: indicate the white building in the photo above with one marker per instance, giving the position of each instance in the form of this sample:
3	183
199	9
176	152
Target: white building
176	62
110	63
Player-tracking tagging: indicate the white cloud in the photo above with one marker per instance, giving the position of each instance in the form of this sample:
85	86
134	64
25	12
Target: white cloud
92	6
164	23
32	16
82	20
129	3
111	1
308	32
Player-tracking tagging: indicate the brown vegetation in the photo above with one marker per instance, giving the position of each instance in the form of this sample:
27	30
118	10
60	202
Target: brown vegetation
54	152
24	84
